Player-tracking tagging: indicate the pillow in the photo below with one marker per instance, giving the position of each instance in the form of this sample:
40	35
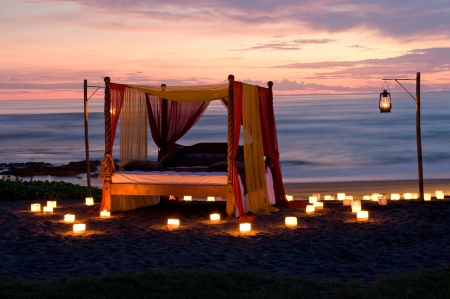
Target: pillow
143	165
172	157
222	167
201	159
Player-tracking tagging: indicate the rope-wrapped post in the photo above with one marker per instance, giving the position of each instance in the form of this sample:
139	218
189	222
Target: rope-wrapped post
230	150
107	161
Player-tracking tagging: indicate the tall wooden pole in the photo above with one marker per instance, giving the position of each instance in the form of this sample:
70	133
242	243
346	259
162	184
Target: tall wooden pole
108	146
230	149
418	137
86	139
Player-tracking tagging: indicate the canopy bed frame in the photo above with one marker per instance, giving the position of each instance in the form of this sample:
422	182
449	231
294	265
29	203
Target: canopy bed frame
230	190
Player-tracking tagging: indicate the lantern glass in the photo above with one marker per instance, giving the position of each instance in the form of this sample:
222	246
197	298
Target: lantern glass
385	102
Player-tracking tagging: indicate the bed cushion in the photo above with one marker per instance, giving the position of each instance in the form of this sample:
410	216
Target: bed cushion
201	159
172	157
143	165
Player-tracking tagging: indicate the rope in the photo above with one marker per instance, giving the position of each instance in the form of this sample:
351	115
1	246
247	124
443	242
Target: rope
107	167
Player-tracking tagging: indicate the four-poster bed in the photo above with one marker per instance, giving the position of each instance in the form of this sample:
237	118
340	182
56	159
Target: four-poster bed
167	108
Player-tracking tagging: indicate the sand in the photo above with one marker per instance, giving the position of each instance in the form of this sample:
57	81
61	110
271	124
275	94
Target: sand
401	236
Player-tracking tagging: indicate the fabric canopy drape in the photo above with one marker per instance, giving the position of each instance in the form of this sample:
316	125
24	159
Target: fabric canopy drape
133	127
255	171
170	120
270	143
237	89
202	93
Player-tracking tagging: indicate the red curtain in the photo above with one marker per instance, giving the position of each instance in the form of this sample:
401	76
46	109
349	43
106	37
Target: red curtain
117	94
270	144
170	120
237	89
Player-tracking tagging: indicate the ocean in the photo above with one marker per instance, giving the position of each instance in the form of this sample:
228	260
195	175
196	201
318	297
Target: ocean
322	138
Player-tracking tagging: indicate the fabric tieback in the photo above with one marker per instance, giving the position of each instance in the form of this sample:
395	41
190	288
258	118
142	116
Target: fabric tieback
107	167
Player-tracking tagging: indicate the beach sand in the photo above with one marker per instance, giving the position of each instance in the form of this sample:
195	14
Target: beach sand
404	235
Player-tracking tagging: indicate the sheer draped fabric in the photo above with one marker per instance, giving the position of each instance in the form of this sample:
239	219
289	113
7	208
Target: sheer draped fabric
133	127
170	120
255	171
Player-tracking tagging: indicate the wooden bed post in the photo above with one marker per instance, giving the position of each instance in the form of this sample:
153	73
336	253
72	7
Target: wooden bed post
230	150
108	146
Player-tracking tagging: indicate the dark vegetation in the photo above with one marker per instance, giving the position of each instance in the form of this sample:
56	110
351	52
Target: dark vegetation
434	283
21	189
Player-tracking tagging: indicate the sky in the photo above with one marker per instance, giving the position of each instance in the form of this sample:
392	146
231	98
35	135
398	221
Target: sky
48	48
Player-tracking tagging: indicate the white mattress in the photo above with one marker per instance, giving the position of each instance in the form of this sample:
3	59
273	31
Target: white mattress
171	178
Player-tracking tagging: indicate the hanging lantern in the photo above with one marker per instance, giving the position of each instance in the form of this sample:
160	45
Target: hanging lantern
385	100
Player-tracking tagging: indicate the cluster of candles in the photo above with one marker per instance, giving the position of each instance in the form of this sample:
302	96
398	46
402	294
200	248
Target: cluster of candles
68	218
209	198
314	205
246	227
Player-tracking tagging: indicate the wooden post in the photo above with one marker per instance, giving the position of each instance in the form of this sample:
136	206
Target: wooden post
418	137
230	149
108	145
164	128
86	139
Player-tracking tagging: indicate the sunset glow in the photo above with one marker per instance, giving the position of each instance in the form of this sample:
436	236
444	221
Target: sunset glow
49	47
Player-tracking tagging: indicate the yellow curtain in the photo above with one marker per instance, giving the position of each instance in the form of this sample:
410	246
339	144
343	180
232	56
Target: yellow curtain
255	171
133	127
201	93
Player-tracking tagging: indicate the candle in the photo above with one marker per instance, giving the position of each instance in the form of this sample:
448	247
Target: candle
290	221
317	195
347	202
51	204
327	197
407	196
356	209
173	223
310	209
187	198
245	227
312	199
340	196
427	196
356	203
79	227
210	198
48	210
382	201
215	218
105	214
89	201
395	196
362	215
69	218
440	195
35	207
289	197
318	206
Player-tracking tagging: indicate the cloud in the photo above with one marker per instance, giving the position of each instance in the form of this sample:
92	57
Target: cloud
289	45
433	60
401	18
